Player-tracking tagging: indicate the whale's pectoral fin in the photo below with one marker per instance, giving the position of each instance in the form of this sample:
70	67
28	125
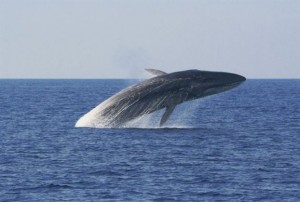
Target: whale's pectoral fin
167	114
155	72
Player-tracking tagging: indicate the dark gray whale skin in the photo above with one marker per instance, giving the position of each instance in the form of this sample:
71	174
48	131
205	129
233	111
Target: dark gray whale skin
163	91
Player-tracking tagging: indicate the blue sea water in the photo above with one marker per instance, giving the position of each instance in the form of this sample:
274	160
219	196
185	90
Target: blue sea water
241	145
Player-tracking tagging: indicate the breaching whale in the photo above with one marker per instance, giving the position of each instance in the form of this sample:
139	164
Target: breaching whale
162	91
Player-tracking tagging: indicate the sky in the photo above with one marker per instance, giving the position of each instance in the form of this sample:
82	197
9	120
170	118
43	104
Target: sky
120	38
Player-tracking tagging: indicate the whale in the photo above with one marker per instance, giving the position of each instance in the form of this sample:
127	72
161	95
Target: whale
163	91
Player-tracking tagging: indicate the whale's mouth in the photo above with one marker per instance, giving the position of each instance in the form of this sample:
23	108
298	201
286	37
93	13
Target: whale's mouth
214	90
221	88
232	85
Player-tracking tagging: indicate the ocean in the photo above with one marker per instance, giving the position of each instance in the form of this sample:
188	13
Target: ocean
240	145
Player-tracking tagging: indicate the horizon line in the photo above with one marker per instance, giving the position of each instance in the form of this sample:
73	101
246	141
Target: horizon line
55	78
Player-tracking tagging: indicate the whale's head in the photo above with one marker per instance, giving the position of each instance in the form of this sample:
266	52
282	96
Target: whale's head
205	83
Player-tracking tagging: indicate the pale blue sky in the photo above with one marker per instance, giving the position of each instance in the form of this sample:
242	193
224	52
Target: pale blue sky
119	38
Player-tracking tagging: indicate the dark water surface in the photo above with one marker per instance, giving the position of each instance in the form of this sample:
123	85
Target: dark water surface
241	145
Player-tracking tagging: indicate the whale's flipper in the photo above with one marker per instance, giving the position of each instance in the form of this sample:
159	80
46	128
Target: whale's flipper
155	72
167	114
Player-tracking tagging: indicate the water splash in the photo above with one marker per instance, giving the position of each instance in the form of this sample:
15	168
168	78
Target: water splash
145	121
